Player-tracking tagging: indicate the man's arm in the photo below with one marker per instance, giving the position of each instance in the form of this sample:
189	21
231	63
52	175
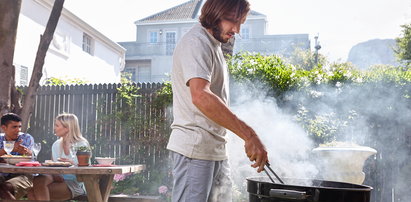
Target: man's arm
215	109
2	152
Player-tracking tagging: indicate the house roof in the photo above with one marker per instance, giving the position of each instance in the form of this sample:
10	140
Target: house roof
187	11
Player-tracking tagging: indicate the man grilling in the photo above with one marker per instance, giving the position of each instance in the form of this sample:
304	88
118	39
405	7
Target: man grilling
200	105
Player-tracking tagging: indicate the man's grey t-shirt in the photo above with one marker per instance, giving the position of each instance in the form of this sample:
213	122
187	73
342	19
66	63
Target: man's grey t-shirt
197	55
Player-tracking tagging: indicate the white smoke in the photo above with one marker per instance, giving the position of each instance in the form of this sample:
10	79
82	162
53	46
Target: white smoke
380	119
288	145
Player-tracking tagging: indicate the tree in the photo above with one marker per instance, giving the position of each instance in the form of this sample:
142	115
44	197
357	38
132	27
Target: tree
39	61
9	12
306	59
9	16
403	49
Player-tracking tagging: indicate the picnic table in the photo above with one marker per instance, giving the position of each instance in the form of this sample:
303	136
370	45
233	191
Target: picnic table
98	180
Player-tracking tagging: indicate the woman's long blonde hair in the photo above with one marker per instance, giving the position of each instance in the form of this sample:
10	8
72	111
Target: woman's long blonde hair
70	121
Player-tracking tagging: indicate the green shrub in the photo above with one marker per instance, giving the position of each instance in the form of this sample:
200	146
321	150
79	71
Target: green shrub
281	79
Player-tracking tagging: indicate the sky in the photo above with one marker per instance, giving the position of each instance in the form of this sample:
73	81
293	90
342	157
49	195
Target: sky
340	24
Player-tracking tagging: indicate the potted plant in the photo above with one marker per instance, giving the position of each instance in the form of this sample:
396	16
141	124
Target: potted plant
83	155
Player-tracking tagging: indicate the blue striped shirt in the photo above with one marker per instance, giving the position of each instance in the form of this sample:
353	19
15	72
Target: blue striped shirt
28	141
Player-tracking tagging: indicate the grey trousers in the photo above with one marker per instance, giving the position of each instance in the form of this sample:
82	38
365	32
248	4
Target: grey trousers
200	180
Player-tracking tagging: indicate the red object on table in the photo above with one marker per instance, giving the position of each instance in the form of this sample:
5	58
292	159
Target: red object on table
29	163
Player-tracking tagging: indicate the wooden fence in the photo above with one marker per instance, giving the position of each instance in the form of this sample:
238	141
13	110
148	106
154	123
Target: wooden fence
98	107
389	172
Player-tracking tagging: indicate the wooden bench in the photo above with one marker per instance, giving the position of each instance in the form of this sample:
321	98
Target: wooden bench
125	198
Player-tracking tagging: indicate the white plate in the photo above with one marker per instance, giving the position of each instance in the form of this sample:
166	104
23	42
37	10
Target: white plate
16	159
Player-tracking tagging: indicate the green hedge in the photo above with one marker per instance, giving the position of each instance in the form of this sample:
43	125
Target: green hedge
335	82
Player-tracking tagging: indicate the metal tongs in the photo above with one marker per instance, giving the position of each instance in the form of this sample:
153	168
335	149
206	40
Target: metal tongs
269	176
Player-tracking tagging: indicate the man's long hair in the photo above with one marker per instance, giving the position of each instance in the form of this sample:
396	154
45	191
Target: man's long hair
214	10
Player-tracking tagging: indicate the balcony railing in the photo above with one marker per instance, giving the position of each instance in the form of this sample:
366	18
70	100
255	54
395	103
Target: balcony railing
148	49
276	44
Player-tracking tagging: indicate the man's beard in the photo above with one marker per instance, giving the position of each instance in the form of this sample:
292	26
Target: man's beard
217	34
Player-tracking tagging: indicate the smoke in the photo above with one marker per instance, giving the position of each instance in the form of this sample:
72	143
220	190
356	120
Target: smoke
288	145
374	115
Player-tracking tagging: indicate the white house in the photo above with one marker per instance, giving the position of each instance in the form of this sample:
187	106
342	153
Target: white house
149	58
78	51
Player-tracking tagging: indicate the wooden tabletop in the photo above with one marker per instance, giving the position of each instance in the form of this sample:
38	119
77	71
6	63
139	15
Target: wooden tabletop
98	180
117	169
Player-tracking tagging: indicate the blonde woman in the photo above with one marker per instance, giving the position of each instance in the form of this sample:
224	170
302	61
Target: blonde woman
61	187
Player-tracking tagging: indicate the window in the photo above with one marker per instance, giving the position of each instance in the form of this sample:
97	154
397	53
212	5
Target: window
88	44
144	74
245	33
153	37
24	75
138	74
170	42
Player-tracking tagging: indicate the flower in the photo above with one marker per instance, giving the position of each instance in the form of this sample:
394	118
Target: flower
121	177
163	190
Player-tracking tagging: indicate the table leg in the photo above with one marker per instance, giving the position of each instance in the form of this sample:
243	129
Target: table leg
105	186
92	187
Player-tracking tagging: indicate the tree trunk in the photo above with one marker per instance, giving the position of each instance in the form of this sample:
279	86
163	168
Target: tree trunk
45	40
9	17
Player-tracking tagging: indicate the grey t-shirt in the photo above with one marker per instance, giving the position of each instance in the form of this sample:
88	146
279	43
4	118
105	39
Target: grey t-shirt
197	55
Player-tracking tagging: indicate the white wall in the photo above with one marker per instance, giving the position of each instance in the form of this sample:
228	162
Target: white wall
65	57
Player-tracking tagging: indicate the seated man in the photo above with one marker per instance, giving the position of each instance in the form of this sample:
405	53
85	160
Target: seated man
15	186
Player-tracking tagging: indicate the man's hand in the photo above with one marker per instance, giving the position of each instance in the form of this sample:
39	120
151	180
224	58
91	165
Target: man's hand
20	148
256	151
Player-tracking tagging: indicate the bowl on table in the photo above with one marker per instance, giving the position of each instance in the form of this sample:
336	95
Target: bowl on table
105	160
